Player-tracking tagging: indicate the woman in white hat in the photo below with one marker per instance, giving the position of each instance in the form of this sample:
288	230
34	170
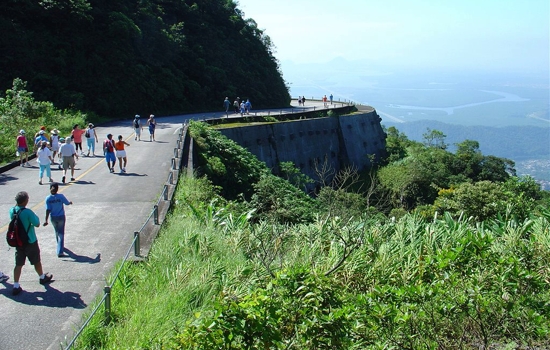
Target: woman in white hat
91	139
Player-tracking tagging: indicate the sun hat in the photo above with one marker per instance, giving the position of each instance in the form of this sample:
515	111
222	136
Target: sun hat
137	116
22	131
54	132
90	125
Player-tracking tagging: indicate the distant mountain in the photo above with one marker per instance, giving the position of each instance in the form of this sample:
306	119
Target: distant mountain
119	58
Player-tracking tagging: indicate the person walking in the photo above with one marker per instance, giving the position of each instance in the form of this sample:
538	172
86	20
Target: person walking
55	209
54	144
109	152
325	101
91	139
67	153
38	140
121	153
44	159
137	127
76	134
236	106
331	98
152	124
226	105
247	106
22	147
31	250
242	108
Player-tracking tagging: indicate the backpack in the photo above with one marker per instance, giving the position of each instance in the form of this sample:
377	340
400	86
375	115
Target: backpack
17	236
136	124
87	134
108	146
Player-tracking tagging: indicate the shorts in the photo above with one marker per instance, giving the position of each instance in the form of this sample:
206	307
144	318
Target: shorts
22	150
138	131
68	162
110	157
121	154
30	251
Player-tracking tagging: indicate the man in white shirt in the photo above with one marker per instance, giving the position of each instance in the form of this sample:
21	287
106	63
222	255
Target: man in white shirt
67	153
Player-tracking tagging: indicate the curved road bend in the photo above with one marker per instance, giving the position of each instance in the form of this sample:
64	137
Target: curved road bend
107	209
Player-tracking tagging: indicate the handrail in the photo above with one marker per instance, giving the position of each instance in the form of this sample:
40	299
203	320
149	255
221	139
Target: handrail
106	299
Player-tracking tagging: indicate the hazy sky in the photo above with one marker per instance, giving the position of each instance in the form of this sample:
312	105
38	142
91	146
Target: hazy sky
509	34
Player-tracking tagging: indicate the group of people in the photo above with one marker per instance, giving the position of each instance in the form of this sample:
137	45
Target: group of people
48	147
138	128
242	107
67	149
55	212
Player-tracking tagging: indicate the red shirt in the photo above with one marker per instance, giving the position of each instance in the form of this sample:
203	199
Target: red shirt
77	135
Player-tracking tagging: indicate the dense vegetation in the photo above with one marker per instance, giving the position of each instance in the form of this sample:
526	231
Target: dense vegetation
246	274
19	110
119	58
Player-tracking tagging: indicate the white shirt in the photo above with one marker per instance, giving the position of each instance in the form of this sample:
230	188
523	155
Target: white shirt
67	150
43	156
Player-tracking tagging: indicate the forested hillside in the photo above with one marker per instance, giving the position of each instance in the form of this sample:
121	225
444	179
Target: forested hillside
118	58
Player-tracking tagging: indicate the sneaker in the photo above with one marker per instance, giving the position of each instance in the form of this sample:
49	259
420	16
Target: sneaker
112	170
16	291
47	278
40	182
72	178
3	277
123	170
63	179
87	155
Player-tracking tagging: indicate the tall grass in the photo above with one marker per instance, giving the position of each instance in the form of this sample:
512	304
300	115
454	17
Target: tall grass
213	280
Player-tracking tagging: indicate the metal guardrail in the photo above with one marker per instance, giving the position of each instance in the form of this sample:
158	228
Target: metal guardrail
136	245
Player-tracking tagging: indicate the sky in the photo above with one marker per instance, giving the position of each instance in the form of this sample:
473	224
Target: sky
465	34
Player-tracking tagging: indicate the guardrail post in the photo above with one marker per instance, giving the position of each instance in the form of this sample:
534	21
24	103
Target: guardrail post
156	214
137	244
165	192
176	152
107	291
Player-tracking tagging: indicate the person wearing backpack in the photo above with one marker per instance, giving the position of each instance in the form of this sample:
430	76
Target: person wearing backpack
91	139
30	250
137	127
109	152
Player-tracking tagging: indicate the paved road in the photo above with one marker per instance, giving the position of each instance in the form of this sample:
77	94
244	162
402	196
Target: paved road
107	209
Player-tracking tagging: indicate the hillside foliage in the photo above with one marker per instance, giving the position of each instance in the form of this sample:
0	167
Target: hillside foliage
119	58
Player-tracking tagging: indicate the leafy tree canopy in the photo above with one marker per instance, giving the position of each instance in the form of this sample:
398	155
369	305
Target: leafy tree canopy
119	58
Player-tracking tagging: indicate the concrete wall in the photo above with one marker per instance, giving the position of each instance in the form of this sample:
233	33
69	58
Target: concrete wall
342	141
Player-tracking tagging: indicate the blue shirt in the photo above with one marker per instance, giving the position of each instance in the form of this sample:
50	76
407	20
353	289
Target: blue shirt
28	219
54	203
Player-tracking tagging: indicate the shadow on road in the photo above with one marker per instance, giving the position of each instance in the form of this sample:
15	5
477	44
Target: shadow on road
50	297
6	178
82	258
